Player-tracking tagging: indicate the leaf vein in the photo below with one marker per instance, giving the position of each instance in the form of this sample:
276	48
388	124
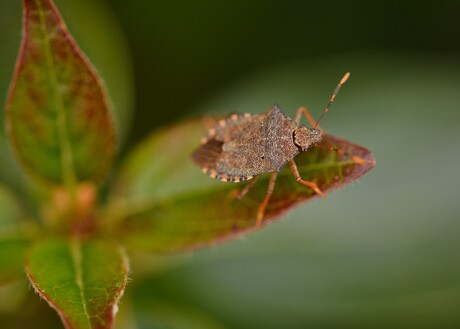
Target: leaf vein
68	171
77	260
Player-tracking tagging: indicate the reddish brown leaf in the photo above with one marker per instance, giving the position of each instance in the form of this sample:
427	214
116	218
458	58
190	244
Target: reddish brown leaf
59	120
163	202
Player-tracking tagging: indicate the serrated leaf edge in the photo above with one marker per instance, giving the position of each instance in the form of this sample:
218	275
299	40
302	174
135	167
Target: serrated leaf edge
76	258
67	159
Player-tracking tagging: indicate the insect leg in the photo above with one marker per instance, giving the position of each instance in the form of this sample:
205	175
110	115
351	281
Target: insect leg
303	110
299	179
247	188
271	185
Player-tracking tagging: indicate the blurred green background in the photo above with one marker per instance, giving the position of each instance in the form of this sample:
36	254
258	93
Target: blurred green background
380	253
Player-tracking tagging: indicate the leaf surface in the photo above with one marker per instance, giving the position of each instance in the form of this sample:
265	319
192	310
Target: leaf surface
81	280
58	115
162	202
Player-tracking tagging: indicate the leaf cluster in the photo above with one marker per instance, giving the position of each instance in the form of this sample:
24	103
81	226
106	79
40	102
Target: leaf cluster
74	246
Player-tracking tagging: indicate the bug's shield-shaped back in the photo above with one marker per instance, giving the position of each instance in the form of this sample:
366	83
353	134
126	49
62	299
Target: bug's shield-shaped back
248	145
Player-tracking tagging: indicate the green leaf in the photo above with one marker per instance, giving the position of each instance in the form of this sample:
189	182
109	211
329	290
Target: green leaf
58	114
162	202
81	280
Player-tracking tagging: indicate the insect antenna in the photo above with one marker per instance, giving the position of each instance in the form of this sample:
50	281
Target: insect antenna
331	100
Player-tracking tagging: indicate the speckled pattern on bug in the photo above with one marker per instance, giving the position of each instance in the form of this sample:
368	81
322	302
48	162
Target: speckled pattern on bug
243	146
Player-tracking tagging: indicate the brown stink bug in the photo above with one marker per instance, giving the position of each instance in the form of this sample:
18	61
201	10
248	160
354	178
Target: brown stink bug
243	146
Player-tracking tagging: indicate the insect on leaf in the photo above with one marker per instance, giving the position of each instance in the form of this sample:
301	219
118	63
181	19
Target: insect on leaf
81	280
58	115
162	202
